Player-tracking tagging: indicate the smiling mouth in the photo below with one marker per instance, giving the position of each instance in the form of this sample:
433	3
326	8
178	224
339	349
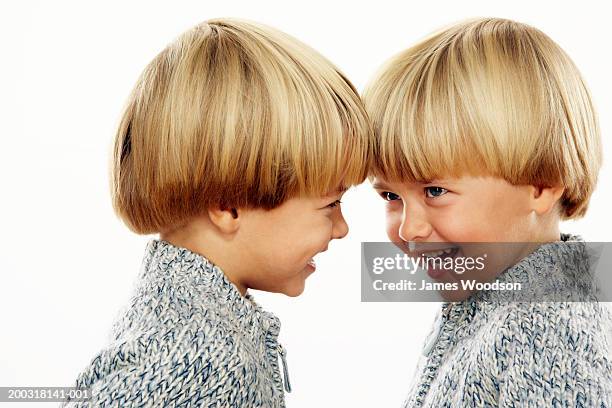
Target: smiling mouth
434	253
312	263
441	253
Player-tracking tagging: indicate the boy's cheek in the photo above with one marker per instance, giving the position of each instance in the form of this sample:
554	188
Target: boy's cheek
393	222
393	232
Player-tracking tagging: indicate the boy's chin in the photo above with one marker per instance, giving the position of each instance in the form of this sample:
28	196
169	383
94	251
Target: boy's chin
294	289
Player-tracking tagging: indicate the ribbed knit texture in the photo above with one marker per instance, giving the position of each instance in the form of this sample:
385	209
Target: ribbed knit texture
487	351
187	339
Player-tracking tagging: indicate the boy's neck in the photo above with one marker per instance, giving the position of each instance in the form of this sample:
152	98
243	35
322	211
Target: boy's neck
543	235
203	244
549	231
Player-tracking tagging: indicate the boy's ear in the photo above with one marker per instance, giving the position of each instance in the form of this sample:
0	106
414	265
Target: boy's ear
227	220
544	199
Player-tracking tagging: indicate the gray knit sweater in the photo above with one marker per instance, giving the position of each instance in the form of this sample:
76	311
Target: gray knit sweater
187	339
489	352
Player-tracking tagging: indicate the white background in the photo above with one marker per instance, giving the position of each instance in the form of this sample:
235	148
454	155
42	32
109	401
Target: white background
67	264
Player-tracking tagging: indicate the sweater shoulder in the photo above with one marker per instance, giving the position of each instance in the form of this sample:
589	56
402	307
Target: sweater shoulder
191	359
555	320
547	352
552	331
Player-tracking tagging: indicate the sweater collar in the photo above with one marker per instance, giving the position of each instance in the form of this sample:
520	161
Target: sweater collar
195	280
555	271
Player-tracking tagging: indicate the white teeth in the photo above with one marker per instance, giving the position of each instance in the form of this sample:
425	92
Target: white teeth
439	253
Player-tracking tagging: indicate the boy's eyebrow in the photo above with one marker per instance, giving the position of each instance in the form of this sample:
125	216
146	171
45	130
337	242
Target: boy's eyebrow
380	186
340	190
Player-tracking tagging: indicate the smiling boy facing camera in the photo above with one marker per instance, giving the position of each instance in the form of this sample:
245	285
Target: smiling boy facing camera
236	146
486	133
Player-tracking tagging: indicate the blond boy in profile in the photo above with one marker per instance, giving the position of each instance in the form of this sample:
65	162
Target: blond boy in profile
236	146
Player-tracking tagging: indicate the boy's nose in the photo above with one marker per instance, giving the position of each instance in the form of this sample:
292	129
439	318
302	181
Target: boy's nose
414	226
340	227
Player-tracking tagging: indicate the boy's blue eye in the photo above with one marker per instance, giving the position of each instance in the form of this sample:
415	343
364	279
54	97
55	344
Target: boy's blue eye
334	204
389	196
433	192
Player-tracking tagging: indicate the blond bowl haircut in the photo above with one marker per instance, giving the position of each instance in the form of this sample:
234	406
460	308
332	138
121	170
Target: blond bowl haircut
487	97
235	114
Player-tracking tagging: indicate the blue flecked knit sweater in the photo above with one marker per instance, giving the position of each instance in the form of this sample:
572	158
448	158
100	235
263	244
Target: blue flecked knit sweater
487	351
187	339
